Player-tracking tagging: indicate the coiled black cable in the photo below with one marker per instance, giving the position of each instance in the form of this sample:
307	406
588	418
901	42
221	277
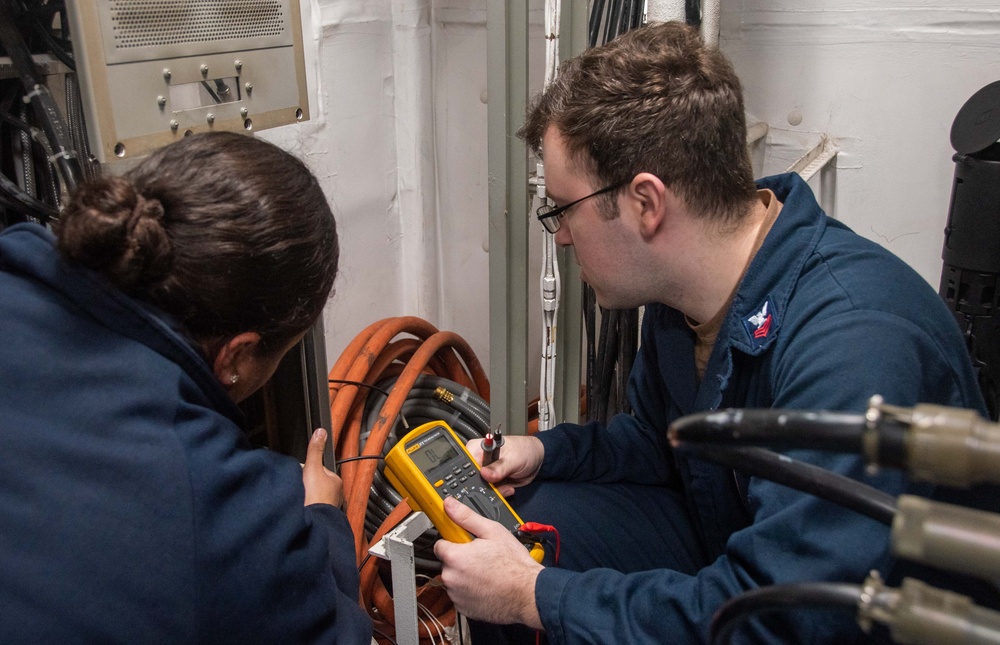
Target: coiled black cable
461	408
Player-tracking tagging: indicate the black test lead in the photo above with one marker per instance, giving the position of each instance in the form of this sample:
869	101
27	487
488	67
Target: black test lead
498	439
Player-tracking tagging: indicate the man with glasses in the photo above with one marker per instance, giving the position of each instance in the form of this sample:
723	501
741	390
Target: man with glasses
753	298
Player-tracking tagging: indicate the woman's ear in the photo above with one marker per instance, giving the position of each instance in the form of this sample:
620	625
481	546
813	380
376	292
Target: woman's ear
232	361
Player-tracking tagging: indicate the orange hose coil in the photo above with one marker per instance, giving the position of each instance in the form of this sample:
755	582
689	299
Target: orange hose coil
370	357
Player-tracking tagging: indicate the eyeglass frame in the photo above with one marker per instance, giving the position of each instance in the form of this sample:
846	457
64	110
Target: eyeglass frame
552	214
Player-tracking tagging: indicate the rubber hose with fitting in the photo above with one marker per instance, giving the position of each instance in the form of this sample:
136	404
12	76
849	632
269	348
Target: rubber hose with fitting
758	462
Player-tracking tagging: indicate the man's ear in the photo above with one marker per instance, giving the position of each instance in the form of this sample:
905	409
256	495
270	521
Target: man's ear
651	198
233	357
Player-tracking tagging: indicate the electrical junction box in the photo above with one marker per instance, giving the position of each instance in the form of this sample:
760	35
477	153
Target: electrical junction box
152	71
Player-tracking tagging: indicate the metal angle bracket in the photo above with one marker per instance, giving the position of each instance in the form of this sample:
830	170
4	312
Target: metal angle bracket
396	546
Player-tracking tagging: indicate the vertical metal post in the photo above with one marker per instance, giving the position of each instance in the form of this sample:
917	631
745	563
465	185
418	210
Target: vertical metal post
315	385
569	339
507	81
397	547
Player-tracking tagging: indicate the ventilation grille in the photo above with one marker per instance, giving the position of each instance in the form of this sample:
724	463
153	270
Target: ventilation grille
151	23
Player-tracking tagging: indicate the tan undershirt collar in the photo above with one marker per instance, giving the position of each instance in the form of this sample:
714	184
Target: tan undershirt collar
708	331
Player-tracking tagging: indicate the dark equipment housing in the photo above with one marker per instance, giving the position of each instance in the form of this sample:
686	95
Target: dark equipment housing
971	251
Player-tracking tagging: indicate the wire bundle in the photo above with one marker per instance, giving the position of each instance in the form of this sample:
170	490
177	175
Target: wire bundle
366	423
43	145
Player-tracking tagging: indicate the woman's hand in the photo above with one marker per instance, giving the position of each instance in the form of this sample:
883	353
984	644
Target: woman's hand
322	486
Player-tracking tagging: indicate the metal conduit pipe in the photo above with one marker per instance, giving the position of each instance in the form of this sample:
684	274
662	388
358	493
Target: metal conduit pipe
710	10
664	10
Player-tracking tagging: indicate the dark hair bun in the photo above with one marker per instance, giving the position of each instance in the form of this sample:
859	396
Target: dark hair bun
109	227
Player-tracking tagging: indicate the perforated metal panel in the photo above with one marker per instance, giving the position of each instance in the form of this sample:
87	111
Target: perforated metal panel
152	23
155	70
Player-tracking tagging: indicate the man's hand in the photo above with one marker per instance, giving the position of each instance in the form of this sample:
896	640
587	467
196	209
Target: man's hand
491	578
322	486
519	462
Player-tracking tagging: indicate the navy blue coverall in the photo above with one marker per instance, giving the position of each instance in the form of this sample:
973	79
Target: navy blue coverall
132	507
654	540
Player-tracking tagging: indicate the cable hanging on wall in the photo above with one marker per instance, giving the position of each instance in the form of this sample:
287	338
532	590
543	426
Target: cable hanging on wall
610	352
40	141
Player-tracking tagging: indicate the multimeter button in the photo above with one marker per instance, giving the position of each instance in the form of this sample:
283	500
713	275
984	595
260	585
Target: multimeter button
457	471
449	477
468	464
454	485
463	479
439	483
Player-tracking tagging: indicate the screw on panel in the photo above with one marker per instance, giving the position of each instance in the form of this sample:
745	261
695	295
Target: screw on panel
248	87
174	125
239	65
204	70
244	112
210	117
161	100
166	74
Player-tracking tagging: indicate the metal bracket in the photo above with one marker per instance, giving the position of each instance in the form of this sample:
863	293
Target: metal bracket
808	164
396	546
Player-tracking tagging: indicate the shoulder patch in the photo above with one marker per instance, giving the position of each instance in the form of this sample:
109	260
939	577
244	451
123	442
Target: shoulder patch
760	323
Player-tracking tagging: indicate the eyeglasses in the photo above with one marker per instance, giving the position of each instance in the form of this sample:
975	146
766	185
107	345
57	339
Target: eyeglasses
550	216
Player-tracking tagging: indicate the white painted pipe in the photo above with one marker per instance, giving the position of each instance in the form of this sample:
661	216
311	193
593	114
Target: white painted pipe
710	10
664	10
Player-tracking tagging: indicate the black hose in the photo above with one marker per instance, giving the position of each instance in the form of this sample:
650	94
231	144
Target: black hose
819	482
626	351
780	429
741	608
594	26
637	15
610	27
692	12
616	26
54	47
11	196
605	363
792	429
77	122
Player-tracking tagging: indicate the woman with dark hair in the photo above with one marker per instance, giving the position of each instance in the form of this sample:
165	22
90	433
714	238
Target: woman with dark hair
132	508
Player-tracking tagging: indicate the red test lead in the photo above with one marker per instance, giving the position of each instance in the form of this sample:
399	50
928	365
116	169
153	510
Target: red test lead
490	446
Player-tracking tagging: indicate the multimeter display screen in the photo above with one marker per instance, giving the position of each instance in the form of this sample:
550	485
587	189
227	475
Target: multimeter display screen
433	453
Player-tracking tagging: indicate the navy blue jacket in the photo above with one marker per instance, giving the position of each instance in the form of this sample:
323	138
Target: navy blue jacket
822	320
132	508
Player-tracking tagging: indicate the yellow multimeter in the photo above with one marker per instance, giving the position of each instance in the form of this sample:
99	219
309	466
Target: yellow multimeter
431	463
